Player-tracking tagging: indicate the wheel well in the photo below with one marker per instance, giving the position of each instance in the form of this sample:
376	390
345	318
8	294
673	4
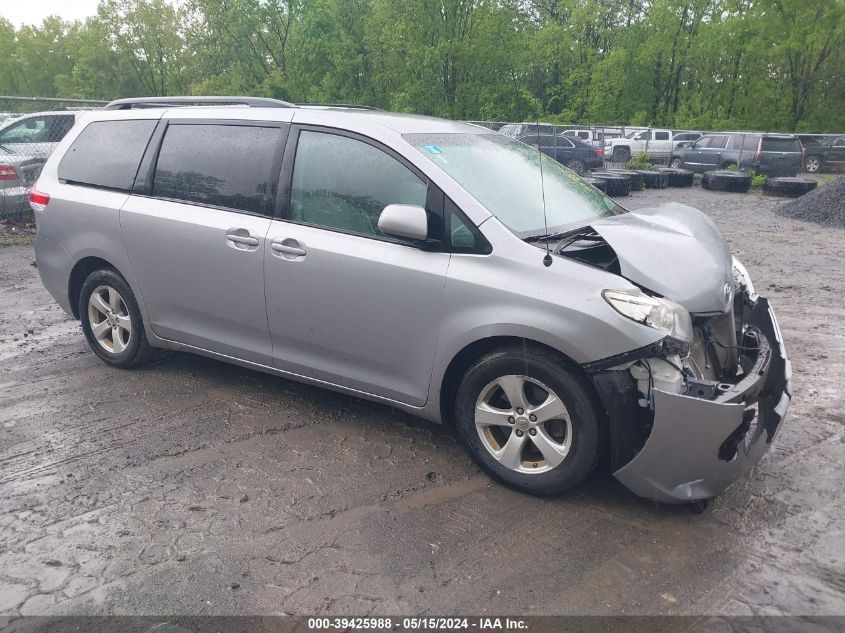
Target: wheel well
80	272
464	359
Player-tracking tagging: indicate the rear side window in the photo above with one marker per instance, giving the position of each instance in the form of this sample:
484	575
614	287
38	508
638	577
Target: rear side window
107	154
220	165
661	136
719	142
747	142
780	145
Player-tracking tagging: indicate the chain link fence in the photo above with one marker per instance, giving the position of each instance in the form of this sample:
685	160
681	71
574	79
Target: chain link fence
31	128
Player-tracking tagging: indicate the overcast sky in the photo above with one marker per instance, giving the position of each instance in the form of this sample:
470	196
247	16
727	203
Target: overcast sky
34	11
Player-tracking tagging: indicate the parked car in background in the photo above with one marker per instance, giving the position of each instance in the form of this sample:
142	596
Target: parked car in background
658	143
827	155
37	134
519	129
772	154
430	265
685	137
17	175
579	156
596	137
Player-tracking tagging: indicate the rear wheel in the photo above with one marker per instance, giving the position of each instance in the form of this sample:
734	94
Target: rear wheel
111	320
528	421
677	163
813	164
577	166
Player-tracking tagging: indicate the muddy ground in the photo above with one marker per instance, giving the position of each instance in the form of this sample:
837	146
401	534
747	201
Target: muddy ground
194	487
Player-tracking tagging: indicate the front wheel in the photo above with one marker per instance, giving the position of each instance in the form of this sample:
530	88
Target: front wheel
528	420
111	320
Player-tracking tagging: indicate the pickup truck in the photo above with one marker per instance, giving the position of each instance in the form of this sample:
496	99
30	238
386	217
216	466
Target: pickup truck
658	143
596	137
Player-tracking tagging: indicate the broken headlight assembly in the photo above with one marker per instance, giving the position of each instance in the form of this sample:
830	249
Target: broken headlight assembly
654	312
742	278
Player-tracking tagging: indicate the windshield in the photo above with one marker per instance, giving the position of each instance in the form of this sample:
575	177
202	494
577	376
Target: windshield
504	175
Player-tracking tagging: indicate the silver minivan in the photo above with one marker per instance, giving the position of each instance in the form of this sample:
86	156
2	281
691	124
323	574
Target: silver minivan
438	267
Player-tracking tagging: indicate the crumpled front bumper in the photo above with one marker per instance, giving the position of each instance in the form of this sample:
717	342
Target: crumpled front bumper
684	458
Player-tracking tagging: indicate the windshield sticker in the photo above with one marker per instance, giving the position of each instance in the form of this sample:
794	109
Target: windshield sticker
432	149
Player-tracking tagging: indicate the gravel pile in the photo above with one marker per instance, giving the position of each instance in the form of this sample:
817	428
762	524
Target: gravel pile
825	205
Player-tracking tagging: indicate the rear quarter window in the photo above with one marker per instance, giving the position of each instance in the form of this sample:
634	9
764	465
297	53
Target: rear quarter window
780	145
107	154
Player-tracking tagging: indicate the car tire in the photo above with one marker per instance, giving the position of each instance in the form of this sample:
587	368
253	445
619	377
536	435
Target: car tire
598	183
620	155
111	320
577	166
616	185
813	164
632	175
733	181
789	187
677	177
544	456
654	179
676	163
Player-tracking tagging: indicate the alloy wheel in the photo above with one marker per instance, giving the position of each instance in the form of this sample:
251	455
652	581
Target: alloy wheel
523	424
109	319
812	165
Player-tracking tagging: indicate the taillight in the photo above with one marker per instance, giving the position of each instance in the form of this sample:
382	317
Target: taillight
38	201
599	152
7	172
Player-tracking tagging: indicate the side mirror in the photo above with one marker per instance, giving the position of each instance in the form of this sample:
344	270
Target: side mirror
404	220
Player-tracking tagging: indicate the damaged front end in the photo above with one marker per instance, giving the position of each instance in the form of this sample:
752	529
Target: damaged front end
685	424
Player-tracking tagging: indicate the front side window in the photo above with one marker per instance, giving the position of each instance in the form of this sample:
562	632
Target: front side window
107	154
661	136
840	142
506	177
344	184
221	165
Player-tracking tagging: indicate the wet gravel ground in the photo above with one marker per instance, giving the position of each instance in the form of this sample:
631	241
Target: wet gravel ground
194	487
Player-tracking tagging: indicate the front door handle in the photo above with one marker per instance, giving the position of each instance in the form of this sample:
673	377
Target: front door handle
288	249
241	239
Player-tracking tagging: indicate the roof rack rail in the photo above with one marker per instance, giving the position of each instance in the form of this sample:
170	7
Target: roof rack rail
338	105
158	102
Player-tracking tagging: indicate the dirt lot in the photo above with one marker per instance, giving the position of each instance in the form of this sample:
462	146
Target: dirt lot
194	487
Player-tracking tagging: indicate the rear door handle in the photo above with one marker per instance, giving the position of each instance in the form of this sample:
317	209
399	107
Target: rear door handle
288	249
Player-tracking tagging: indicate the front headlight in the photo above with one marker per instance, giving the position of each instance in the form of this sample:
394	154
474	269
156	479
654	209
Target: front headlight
654	312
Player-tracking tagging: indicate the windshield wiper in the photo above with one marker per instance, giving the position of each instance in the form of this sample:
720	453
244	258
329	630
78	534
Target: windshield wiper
549	237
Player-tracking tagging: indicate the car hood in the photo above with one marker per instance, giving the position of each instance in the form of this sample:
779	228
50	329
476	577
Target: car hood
675	251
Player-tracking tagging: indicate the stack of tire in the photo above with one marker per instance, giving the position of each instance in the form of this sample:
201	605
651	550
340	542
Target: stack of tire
725	180
634	176
615	185
654	179
598	183
677	177
788	187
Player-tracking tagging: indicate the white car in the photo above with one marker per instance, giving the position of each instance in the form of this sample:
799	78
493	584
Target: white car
657	143
36	134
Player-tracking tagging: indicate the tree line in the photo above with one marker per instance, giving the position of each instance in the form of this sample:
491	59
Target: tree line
708	64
